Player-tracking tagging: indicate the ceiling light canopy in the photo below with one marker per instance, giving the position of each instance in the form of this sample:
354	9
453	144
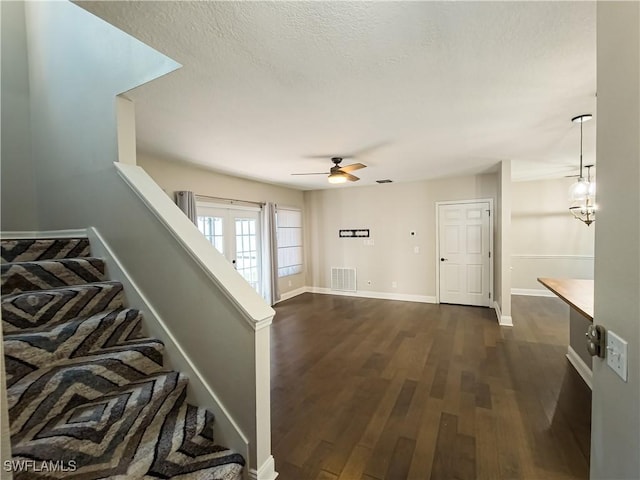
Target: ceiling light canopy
582	194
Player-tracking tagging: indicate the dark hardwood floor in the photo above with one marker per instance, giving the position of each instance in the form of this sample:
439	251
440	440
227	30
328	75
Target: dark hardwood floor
376	389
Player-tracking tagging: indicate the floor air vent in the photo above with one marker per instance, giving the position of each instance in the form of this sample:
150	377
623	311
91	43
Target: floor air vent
343	279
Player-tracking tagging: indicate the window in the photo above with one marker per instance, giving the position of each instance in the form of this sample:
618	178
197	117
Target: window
289	223
211	228
235	232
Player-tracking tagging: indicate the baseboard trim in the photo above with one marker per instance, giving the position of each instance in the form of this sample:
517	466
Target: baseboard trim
403	297
267	470
532	292
292	293
581	367
199	390
43	234
503	320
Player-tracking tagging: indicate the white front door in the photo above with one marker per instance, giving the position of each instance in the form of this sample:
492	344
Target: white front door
464	254
236	234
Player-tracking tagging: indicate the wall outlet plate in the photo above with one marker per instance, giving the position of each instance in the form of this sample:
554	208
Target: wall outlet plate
617	354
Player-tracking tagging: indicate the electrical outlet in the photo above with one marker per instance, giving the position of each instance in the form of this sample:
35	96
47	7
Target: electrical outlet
394	284
416	249
289	282
617	354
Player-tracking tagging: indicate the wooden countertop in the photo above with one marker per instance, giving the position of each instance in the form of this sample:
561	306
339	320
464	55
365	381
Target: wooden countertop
577	293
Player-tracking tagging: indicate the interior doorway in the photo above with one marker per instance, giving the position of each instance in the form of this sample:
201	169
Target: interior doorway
465	244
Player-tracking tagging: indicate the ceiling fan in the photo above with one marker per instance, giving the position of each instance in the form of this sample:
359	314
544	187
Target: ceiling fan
339	174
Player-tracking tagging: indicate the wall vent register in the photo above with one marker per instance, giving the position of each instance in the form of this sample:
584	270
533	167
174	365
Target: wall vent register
343	279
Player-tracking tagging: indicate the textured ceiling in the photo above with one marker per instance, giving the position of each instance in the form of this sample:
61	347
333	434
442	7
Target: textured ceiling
415	90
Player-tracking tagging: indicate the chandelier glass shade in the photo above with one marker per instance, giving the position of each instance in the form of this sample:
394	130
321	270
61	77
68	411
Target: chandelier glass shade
582	194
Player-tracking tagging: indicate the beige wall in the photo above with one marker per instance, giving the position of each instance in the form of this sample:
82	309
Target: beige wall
615	419
390	212
502	244
546	240
175	176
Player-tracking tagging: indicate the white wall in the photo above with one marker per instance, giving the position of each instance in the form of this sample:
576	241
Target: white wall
615	421
18	185
502	244
546	240
174	176
390	212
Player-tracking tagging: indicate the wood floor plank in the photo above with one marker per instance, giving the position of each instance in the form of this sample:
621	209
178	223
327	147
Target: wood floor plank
444	459
423	455
356	463
376	390
401	458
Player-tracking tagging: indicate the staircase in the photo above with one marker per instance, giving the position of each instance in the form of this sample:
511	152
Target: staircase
88	396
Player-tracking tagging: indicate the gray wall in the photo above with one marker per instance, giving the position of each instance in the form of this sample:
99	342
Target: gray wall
18	184
615	425
77	64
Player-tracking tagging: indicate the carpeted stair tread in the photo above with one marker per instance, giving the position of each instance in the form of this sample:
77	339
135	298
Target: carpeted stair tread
45	392
32	276
44	308
192	447
113	434
84	387
107	332
28	250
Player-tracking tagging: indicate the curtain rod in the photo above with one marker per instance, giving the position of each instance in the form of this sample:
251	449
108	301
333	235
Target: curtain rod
230	200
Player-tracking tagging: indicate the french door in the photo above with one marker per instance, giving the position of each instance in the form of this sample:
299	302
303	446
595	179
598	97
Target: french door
464	253
235	232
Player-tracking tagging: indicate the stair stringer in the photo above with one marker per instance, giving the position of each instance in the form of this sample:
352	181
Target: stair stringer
227	432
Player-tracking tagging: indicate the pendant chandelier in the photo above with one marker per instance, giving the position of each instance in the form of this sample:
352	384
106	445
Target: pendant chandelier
582	194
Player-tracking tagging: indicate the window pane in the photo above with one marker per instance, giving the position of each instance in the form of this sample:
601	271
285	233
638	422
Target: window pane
289	238
211	228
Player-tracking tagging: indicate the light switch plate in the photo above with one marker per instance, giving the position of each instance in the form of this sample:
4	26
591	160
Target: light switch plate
617	354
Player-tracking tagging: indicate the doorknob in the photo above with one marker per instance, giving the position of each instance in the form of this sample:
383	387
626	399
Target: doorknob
444	259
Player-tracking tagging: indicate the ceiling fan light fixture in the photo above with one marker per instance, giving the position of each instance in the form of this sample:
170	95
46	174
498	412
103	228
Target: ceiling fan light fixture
337	177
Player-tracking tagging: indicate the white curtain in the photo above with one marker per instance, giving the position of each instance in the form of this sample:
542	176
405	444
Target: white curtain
270	290
187	202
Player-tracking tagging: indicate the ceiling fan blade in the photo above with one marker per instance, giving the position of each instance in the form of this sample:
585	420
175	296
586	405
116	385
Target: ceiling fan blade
352	167
352	178
316	173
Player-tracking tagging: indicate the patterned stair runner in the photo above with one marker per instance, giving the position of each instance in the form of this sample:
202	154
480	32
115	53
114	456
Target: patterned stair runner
88	396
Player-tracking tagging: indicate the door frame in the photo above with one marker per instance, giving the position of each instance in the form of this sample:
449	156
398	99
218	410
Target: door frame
492	257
